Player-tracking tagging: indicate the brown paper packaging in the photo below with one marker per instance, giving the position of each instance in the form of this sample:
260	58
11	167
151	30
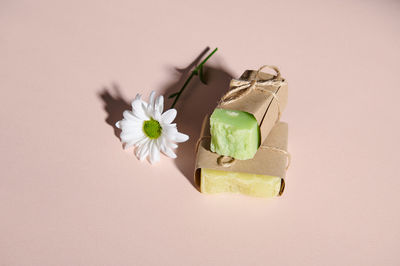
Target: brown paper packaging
266	161
260	103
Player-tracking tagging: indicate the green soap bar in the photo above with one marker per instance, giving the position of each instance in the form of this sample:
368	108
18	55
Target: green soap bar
234	133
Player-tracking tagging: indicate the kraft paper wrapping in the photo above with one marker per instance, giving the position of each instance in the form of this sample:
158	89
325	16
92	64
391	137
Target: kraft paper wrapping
259	102
266	161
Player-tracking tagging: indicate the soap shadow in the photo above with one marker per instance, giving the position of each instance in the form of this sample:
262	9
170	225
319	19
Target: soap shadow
114	105
195	103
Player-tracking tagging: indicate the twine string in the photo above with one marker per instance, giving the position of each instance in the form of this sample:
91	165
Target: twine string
286	153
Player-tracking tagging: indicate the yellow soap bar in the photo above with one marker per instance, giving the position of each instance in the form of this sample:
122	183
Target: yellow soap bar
217	181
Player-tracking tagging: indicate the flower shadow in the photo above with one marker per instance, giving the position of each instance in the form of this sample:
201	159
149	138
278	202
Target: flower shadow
195	103
114	105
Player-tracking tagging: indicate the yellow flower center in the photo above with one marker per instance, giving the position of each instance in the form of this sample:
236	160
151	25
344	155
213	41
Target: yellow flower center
152	128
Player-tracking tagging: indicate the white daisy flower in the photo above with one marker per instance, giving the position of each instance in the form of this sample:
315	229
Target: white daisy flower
150	130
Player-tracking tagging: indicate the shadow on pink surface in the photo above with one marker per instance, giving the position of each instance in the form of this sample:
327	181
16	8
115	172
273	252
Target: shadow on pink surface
114	105
195	102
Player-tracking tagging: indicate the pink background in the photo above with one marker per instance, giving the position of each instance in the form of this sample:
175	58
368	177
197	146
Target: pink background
70	195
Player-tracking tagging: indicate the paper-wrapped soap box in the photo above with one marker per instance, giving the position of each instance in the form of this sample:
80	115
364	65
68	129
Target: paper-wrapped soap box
261	96
262	176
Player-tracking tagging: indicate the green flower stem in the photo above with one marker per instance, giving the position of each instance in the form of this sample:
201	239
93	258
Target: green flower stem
196	71
183	87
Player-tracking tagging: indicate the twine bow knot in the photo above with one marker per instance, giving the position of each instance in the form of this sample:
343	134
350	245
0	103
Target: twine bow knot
243	87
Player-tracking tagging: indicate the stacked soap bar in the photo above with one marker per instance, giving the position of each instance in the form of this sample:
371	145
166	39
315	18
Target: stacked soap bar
217	181
234	133
262	176
247	115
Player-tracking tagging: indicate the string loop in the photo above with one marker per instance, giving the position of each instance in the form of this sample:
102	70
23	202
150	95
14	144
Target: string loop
225	161
288	156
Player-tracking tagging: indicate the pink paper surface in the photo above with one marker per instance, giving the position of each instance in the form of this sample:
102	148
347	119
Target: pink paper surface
70	195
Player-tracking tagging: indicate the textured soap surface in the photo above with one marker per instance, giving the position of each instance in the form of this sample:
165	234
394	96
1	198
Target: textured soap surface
217	181
234	133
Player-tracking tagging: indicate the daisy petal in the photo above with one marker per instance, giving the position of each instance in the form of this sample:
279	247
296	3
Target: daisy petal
168	116
172	145
137	151
127	134
139	97
157	115
130	136
169	132
140	146
180	137
151	101
161	141
129	144
117	124
141	141
130	124
154	153
159	105
136	104
167	151
144	150
128	115
134	142
138	110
